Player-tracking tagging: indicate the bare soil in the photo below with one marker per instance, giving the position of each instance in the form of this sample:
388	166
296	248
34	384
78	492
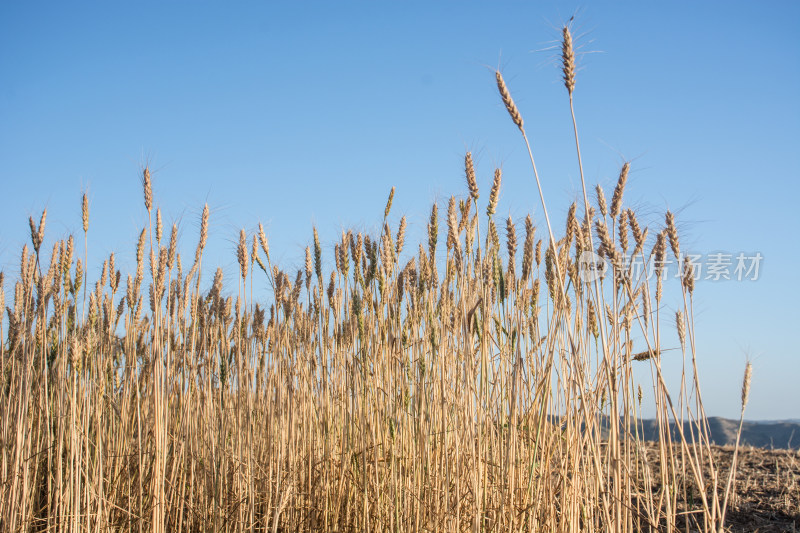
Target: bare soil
767	488
767	497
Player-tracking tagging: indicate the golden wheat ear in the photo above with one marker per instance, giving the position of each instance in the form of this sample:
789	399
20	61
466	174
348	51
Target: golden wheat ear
511	107
494	195
616	199
85	213
567	60
147	187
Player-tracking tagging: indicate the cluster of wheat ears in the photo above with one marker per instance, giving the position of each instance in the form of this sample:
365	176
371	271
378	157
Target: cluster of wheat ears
456	389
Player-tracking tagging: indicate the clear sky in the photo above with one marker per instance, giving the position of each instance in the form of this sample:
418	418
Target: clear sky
301	113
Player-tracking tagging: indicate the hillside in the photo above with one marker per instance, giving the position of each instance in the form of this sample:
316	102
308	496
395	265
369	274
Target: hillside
760	434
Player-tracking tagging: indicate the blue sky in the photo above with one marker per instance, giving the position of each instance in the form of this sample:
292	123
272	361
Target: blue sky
306	113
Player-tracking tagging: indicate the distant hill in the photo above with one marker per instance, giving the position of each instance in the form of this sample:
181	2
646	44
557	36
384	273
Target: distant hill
760	434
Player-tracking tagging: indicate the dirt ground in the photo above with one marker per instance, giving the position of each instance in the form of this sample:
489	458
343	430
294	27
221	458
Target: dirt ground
767	495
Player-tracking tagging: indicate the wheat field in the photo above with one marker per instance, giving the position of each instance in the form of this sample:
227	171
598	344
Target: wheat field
470	382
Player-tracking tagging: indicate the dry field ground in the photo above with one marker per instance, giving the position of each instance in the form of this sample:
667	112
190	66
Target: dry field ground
767	490
767	494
